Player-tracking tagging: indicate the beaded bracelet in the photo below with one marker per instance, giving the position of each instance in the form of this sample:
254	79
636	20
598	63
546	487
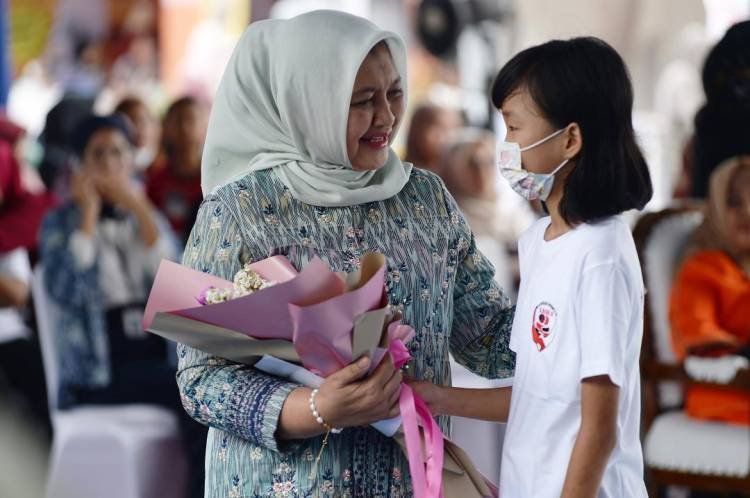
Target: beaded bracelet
317	416
328	428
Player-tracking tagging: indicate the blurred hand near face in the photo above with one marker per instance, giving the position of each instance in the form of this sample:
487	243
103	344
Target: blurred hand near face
107	166
85	195
116	188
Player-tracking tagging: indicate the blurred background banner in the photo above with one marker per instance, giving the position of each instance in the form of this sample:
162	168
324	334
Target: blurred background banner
6	61
196	40
30	22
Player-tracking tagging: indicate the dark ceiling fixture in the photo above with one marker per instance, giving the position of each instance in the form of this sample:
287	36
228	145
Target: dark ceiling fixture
440	22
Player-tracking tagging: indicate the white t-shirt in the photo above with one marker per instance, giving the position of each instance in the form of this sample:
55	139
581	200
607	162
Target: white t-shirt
579	315
14	264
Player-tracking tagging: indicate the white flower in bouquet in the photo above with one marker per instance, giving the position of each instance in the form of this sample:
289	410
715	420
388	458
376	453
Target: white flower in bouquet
246	281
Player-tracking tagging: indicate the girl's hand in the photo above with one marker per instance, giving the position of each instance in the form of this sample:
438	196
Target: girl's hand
432	394
346	400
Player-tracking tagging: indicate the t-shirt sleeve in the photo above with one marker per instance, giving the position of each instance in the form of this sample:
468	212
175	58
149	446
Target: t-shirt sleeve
605	301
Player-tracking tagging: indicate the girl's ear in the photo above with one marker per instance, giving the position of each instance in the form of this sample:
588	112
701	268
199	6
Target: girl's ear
573	141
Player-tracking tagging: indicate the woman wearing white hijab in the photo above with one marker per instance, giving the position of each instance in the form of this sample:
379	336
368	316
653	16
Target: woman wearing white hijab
298	162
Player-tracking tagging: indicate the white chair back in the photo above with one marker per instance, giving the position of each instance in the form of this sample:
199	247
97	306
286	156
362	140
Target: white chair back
47	316
660	255
661	252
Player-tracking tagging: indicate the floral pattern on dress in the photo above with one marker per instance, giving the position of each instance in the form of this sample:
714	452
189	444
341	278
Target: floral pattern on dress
439	281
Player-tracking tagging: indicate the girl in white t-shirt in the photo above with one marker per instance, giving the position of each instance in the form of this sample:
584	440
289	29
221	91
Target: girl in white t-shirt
573	412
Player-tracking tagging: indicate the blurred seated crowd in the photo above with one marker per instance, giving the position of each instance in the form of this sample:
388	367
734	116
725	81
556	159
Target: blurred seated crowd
113	194
97	216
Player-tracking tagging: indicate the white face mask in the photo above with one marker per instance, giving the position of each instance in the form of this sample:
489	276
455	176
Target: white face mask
531	186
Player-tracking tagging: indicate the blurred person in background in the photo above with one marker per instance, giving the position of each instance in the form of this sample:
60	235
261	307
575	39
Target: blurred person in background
722	125
144	131
174	186
58	159
431	130
470	174
137	67
20	357
17	137
24	199
86	76
133	74
100	252
710	301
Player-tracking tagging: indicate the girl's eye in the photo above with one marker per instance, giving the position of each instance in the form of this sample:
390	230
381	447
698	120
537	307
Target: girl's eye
396	93
512	128
362	103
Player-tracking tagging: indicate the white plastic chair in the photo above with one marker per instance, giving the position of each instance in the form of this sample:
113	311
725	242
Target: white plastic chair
116	451
679	450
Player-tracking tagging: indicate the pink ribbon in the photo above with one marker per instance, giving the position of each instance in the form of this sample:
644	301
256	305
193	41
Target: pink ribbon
426	478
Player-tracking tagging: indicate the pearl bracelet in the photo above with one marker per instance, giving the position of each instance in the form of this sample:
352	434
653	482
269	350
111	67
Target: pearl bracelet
316	414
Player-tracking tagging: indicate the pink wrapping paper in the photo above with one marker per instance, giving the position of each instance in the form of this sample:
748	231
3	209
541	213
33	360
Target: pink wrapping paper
312	309
323	331
262	315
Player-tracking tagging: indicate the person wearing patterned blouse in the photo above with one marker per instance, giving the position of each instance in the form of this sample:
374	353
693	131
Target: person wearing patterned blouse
298	163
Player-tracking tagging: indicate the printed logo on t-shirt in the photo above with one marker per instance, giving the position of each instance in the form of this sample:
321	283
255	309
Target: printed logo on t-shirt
543	325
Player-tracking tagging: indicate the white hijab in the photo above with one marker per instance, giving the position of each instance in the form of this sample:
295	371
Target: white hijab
283	103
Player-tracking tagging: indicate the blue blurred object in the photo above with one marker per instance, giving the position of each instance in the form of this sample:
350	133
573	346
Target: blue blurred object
5	56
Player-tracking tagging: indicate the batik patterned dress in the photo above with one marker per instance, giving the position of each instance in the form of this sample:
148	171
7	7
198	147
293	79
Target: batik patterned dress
435	276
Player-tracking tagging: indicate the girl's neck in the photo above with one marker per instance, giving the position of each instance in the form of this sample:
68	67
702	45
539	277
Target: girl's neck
558	226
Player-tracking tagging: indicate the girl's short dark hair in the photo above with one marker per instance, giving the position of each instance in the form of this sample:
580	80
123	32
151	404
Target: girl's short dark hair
585	81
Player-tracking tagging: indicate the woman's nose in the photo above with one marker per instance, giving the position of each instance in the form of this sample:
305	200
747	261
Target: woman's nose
384	117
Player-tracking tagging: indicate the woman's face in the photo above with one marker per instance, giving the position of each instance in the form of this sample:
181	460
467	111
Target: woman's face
375	112
526	125
738	208
108	153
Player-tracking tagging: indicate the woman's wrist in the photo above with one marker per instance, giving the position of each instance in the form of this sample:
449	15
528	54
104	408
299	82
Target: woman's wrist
318	416
326	408
296	421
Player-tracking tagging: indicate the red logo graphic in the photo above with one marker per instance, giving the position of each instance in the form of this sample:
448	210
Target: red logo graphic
542	328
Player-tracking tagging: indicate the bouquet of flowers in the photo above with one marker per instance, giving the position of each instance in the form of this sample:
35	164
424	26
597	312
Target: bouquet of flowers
304	326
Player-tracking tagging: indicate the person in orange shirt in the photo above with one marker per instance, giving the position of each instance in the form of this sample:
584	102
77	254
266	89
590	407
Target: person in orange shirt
710	301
